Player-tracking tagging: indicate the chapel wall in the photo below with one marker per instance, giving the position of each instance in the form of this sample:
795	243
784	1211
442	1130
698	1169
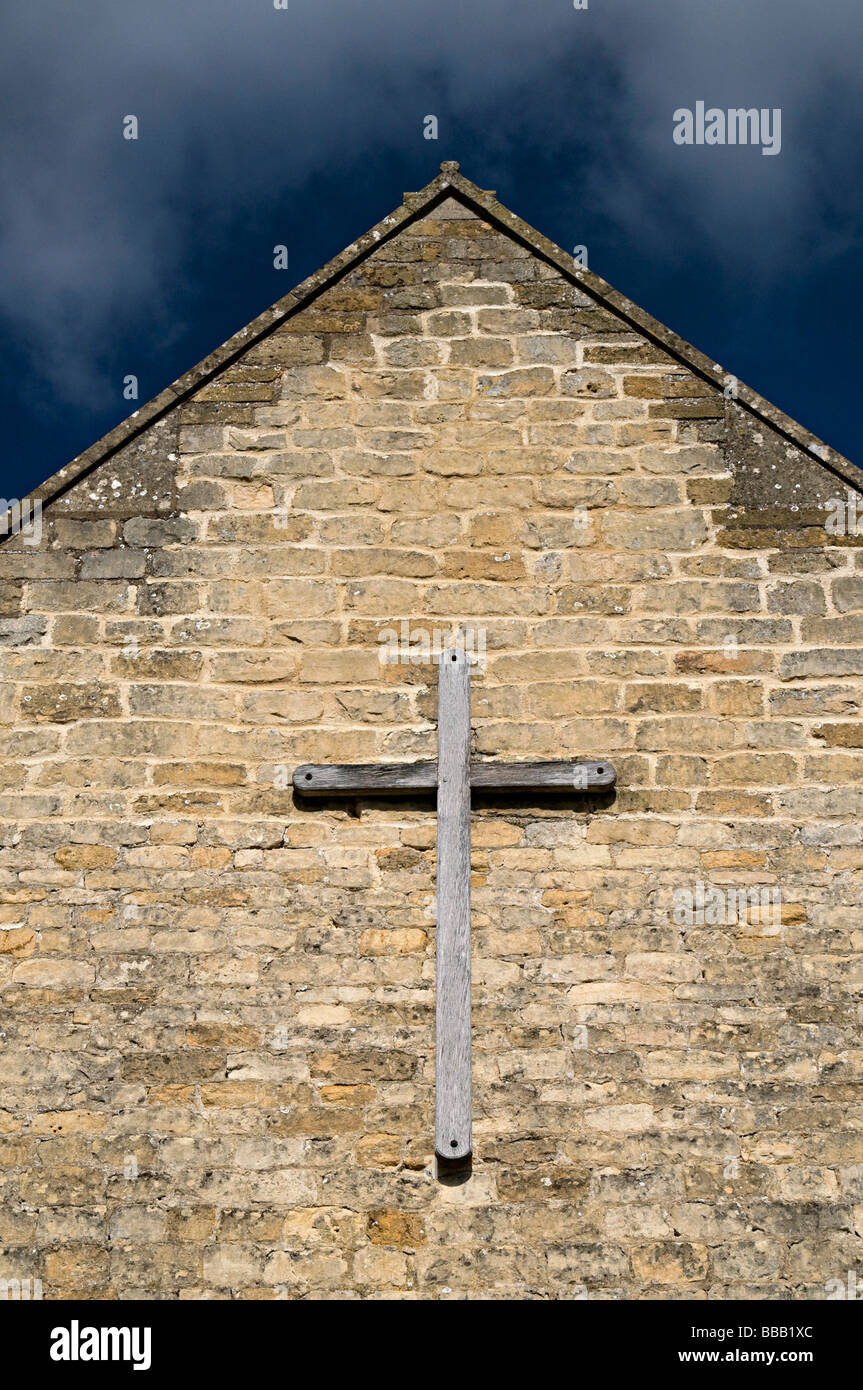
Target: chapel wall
218	1003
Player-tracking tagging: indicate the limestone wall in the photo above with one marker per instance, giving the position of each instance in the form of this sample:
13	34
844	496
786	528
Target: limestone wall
217	1036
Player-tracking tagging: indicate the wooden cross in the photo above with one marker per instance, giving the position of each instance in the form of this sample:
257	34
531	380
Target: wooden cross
452	776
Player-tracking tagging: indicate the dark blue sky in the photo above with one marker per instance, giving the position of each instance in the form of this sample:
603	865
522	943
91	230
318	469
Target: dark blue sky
304	126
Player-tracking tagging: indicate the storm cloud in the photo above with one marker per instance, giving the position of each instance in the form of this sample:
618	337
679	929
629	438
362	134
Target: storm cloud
304	125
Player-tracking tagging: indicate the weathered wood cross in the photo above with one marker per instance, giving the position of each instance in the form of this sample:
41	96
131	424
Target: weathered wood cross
452	776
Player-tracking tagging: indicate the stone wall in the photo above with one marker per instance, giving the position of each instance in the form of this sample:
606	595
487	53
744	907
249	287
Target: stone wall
218	1003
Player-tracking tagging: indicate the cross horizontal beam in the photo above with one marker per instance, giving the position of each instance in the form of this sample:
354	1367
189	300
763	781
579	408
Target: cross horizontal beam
384	779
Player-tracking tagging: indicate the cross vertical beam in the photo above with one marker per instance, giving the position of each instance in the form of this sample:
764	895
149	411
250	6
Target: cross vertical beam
453	1137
